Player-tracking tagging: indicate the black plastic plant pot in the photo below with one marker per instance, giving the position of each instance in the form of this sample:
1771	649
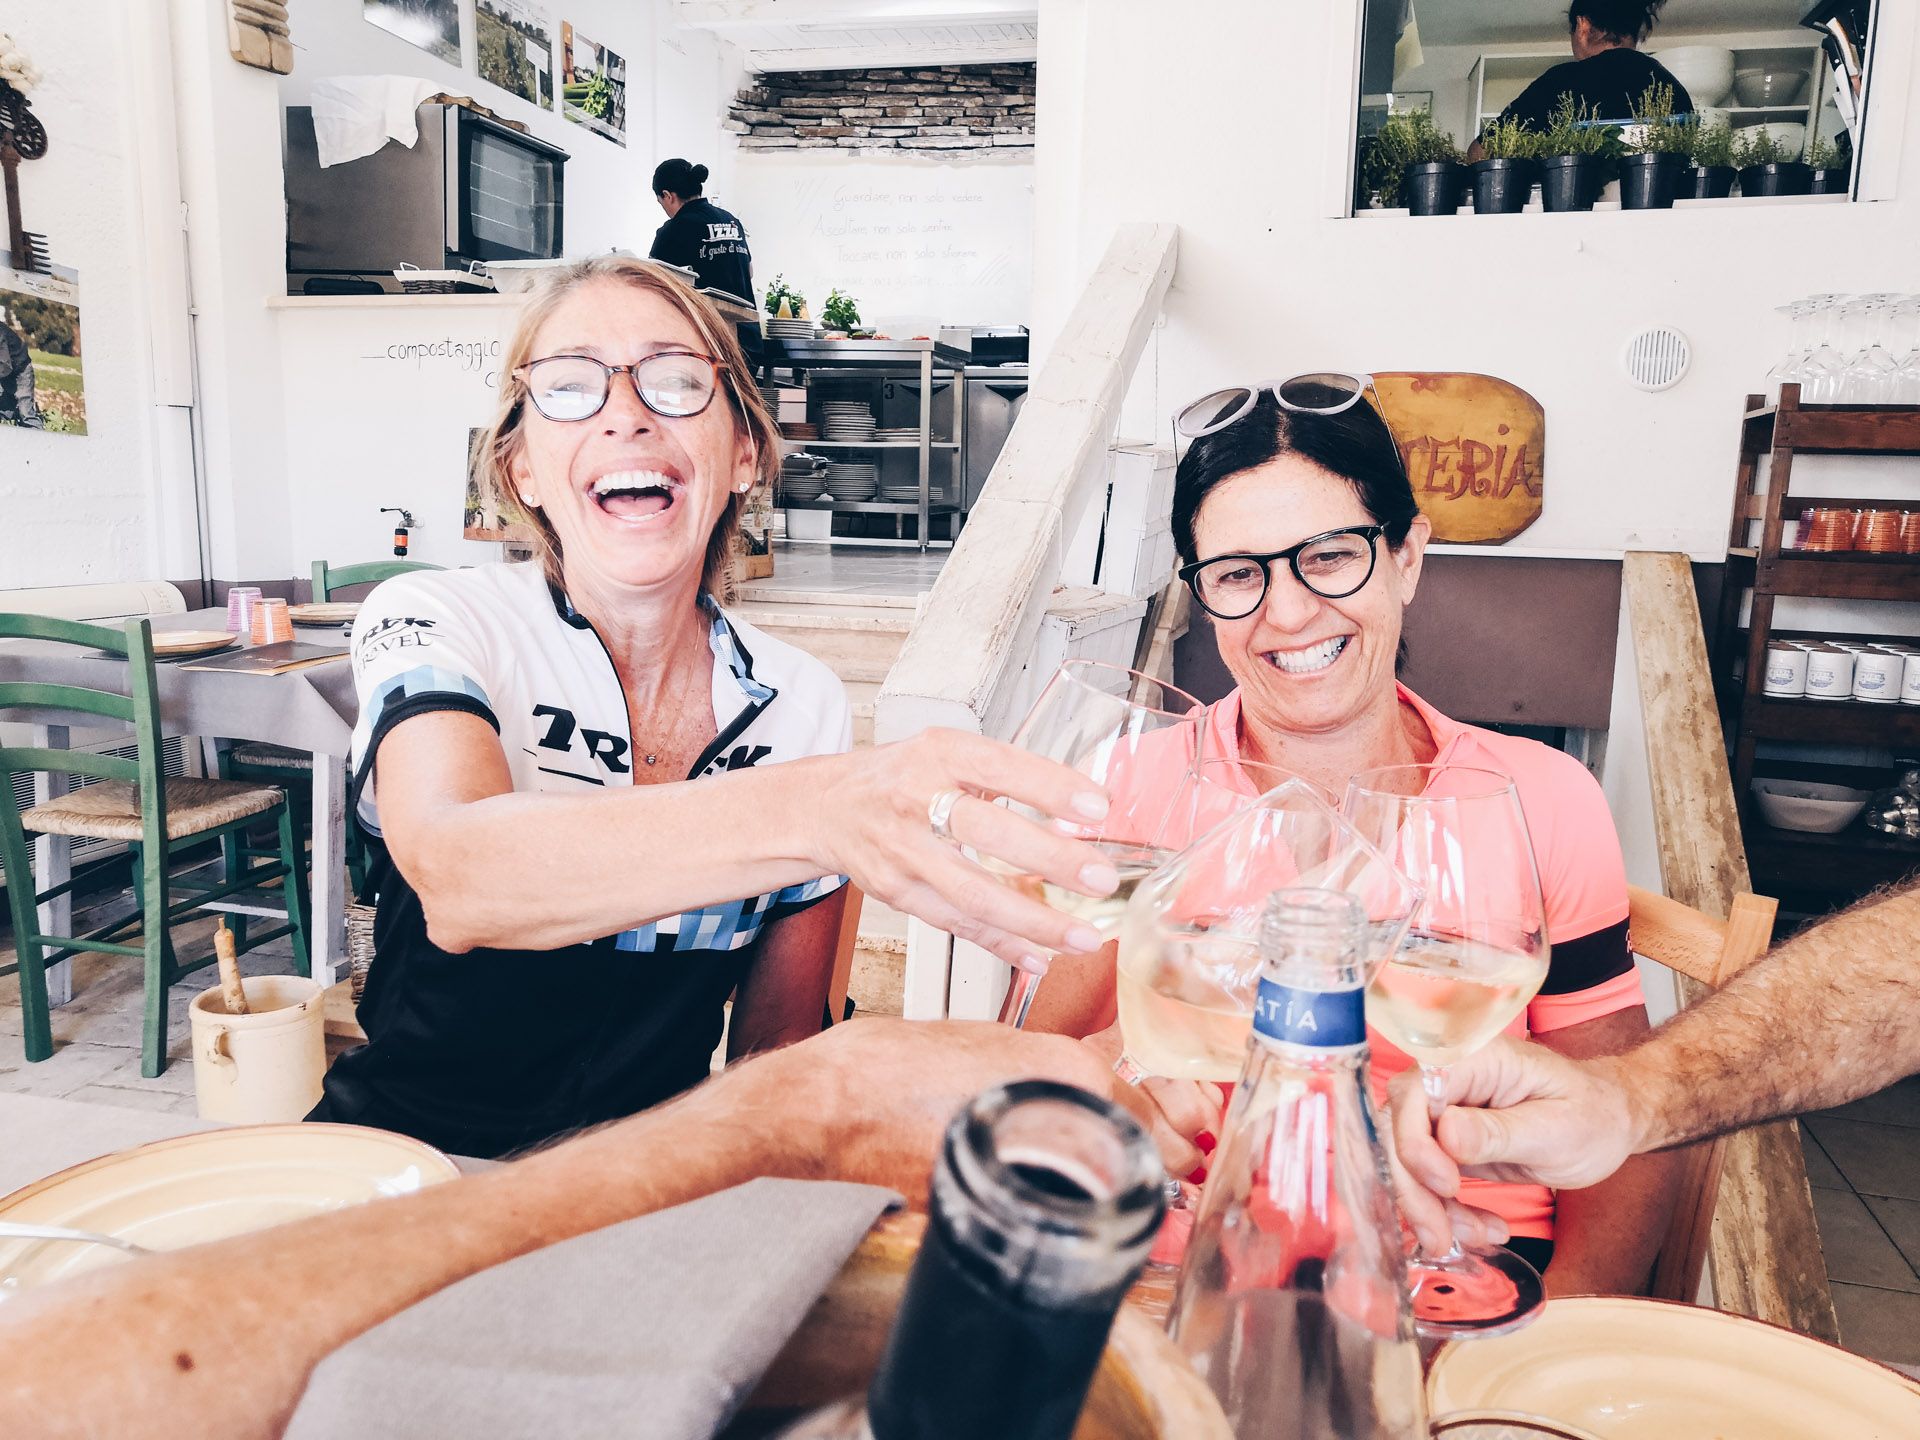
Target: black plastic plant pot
1649	182
1569	182
1706	182
1501	187
1792	178
1432	187
1831	181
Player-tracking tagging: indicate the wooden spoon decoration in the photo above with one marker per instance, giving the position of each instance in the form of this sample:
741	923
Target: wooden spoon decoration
229	961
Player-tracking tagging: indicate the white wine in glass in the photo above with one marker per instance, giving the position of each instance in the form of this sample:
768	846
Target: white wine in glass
1475	954
1186	998
1440	998
1116	727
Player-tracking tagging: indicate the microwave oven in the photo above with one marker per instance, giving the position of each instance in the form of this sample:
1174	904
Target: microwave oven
469	189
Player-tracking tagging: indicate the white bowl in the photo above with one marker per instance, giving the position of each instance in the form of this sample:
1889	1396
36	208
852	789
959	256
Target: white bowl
1771	84
1808	805
511	277
1792	137
1706	71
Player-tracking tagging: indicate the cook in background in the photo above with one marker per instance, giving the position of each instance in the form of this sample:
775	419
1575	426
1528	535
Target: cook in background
701	237
1607	73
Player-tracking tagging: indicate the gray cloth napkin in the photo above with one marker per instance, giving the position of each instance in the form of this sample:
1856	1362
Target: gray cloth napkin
658	1328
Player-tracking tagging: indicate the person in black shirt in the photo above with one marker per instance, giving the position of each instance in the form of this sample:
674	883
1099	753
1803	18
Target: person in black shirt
699	235
1607	73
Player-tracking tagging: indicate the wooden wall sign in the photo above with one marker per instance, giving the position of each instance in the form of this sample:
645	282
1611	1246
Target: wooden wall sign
1475	449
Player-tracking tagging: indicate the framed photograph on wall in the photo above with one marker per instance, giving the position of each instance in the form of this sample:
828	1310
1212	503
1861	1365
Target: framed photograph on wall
593	85
41	386
433	25
515	49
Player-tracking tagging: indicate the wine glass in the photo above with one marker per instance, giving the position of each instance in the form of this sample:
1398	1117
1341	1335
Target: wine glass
1135	736
1474	957
1219	788
1189	964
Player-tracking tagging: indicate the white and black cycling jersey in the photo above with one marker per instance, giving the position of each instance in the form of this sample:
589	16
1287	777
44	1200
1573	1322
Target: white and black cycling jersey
489	1050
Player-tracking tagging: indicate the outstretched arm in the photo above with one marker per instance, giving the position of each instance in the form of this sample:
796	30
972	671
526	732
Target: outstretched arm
170	1346
1829	1016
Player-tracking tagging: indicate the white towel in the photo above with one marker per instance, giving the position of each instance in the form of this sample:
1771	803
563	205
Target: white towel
354	115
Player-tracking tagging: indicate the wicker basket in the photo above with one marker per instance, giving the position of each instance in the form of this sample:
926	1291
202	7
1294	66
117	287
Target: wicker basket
359	948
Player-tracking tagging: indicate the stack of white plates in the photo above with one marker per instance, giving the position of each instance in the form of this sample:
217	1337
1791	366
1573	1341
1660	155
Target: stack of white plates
853	481
778	329
803	487
898	432
900	493
846	420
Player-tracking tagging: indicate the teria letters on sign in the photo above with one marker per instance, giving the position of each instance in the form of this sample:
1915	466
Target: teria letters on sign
1475	450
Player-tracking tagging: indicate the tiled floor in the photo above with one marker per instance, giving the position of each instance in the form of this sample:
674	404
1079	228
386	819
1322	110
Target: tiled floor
843	569
1863	1160
96	1036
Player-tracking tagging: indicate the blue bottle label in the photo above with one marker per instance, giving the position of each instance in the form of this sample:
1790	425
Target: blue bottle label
1321	1019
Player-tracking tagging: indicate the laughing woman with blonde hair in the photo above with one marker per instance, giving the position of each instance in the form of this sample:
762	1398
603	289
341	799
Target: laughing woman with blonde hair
609	804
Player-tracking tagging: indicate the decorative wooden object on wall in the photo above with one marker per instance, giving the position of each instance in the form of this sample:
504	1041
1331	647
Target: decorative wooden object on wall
1475	449
257	35
22	137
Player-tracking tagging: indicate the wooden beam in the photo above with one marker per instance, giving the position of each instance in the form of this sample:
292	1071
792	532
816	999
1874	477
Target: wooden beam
1766	1255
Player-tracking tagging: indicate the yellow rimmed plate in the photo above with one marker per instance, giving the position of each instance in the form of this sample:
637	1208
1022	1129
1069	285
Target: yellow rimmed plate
208	1186
172	644
324	612
1630	1369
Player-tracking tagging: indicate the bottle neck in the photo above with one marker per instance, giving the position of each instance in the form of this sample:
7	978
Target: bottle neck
1044	1203
1311	1006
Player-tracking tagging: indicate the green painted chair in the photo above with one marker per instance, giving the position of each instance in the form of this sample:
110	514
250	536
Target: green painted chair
278	765
131	801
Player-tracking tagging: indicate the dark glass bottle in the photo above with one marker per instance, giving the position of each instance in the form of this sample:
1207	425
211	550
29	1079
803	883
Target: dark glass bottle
1045	1200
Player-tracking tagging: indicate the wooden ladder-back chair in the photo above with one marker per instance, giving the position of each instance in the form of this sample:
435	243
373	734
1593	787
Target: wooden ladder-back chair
1711	952
128	800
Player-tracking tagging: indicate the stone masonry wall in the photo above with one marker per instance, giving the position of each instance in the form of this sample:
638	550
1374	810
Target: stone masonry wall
953	108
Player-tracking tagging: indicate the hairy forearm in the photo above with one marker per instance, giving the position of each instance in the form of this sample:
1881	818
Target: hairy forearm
1831	1015
541	871
218	1341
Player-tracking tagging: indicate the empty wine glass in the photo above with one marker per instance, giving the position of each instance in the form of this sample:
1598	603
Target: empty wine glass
1118	728
1476	954
1820	372
1868	378
1906	344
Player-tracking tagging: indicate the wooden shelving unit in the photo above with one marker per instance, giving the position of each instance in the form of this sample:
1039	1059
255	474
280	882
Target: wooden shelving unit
1813	871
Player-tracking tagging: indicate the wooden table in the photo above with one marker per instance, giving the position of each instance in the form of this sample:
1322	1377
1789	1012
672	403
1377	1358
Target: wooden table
311	709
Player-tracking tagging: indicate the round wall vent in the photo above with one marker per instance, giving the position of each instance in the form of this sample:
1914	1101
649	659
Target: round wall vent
1655	359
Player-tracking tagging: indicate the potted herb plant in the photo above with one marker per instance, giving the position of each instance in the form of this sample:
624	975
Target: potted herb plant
784	302
1711	175
1574	153
1503	180
1657	151
840	313
1431	181
1767	167
1830	169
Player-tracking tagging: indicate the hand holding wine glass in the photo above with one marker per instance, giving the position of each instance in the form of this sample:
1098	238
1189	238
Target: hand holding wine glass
1474	957
1122	730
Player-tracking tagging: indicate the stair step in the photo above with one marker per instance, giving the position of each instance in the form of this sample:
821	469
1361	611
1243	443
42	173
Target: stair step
760	592
859	642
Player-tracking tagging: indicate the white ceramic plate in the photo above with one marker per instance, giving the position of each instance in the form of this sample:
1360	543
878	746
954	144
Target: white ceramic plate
1630	1369
208	1186
171	643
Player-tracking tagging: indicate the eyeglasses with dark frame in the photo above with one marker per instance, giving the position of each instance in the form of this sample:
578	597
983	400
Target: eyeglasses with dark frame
1332	565
677	384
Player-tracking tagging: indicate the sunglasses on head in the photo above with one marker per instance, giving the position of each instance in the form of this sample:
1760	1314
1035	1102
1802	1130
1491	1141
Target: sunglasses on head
1318	392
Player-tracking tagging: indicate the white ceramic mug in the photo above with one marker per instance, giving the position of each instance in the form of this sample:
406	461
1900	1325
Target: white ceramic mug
1910	679
1877	676
1829	673
1786	668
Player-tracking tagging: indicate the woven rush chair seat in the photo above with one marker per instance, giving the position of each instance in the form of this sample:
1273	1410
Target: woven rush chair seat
110	810
258	752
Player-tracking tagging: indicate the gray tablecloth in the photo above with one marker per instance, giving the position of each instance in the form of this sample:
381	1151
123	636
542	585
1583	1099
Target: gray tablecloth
311	709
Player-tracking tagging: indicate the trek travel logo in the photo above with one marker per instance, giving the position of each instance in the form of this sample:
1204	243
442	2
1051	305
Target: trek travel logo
397	632
609	749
